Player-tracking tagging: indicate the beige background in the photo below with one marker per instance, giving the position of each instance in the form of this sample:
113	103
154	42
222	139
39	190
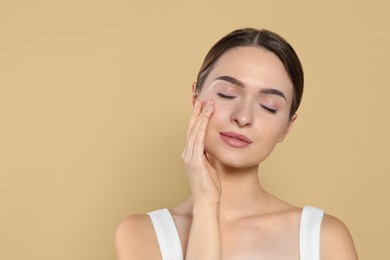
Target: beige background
94	103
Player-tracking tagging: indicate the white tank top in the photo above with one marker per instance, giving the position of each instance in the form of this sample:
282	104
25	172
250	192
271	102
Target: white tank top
170	246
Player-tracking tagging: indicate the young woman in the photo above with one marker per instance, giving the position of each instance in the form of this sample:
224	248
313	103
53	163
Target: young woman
245	101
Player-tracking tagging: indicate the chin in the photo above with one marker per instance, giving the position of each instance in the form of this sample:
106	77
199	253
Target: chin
235	160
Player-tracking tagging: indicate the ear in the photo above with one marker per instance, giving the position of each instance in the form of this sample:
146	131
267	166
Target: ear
194	95
288	128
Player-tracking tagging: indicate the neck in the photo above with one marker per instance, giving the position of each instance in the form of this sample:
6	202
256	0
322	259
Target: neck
241	191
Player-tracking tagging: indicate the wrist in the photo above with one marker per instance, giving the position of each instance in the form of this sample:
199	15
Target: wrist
202	207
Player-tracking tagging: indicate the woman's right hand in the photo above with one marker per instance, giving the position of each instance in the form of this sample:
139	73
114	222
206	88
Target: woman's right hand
204	240
204	182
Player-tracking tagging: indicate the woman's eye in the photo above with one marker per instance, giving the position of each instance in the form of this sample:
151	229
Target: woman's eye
225	96
268	109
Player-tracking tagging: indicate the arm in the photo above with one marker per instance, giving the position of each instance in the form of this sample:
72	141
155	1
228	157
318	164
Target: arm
336	240
204	240
135	239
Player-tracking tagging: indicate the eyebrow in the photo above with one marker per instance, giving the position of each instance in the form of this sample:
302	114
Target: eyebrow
232	80
238	83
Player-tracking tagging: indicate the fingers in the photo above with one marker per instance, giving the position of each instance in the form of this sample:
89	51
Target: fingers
204	182
197	130
200	129
194	116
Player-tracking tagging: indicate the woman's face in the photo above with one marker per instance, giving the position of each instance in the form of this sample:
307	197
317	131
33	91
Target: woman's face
252	96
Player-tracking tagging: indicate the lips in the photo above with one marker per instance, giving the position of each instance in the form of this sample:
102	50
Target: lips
235	140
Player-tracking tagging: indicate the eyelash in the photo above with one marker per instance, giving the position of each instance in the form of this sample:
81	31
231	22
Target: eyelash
225	96
270	110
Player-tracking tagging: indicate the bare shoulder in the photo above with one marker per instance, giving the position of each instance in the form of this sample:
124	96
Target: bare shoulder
135	239
336	240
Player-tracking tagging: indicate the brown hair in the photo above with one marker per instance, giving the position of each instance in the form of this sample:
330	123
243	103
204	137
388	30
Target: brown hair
257	38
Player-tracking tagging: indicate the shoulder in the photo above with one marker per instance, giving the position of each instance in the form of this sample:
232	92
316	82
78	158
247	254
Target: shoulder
336	240
135	238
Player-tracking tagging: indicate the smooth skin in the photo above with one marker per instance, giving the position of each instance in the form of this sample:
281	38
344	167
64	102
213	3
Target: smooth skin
230	215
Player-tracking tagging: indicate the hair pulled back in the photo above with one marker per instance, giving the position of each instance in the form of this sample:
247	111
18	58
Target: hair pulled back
249	37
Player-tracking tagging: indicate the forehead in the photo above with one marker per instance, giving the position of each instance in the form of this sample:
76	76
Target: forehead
256	67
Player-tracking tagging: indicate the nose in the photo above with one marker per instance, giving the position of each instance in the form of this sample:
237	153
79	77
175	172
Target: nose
242	114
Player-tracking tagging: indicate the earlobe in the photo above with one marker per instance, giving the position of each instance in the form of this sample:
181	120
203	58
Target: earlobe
288	128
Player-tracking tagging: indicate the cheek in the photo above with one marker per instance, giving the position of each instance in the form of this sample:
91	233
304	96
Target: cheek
281	130
219	121
221	112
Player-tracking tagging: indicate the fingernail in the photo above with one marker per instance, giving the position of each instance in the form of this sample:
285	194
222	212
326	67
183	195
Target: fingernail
196	103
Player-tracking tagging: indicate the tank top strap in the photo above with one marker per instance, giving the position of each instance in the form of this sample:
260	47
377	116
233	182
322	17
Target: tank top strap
167	235
170	246
309	234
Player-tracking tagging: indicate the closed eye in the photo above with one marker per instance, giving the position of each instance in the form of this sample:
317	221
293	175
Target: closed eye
225	96
268	109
